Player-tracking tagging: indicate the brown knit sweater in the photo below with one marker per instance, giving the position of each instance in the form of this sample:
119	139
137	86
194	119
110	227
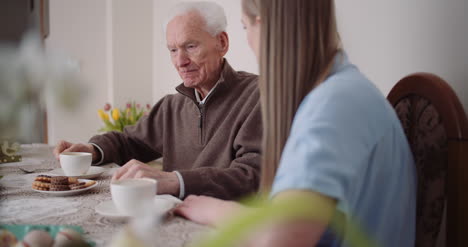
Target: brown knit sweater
215	147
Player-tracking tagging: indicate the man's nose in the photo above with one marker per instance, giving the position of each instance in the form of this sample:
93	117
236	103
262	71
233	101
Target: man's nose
182	59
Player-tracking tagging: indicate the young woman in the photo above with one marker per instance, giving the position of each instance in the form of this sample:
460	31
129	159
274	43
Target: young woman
329	134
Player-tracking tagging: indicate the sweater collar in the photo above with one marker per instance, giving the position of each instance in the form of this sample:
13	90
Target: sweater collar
226	76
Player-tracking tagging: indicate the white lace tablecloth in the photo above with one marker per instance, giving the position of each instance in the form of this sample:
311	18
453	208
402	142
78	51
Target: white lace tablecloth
19	204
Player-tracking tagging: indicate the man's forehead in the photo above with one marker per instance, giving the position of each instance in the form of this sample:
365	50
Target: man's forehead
186	27
186	22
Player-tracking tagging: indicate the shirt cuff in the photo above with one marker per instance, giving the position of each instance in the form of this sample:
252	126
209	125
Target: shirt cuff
181	185
100	151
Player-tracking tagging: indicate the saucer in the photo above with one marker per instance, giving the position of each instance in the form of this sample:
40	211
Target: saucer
93	172
68	192
108	209
162	204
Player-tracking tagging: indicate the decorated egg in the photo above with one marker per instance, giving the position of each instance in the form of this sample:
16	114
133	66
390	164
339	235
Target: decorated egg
68	237
38	238
7	238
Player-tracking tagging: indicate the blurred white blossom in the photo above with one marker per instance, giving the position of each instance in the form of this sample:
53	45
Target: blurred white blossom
30	77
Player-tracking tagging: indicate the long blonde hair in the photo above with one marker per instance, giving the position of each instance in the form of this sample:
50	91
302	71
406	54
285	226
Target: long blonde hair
298	43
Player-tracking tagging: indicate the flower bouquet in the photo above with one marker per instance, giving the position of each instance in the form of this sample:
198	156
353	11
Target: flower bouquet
117	119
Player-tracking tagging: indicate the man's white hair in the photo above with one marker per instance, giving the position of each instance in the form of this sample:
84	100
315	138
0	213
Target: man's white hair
212	13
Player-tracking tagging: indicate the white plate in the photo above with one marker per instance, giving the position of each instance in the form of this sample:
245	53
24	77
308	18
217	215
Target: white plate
93	172
68	192
162	204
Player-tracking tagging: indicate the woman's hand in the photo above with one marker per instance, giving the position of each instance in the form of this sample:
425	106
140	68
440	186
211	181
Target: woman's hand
207	210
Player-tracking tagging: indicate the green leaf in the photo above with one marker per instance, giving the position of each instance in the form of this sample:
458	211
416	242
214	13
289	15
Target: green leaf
139	115
134	114
120	125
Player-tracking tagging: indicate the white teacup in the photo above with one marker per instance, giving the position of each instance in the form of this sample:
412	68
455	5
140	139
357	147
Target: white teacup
132	196
75	163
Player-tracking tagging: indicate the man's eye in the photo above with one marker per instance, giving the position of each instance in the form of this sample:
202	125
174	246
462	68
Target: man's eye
191	46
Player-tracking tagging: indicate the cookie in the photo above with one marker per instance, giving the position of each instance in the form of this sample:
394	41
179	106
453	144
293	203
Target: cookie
41	184
90	183
43	178
78	186
72	180
40	188
59	187
59	180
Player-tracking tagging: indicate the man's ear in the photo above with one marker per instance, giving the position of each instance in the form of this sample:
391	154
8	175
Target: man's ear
223	43
258	20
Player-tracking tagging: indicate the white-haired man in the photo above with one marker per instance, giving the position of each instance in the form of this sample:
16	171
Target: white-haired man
209	133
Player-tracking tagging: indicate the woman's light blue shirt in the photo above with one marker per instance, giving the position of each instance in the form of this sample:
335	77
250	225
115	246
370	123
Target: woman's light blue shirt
347	143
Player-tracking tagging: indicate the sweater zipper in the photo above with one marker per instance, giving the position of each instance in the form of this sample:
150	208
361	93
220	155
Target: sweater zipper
200	123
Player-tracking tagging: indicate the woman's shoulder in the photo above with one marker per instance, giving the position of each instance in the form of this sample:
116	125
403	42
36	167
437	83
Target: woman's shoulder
348	84
345	99
347	89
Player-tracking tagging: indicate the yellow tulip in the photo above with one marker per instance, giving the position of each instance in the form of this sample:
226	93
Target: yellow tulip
115	114
103	115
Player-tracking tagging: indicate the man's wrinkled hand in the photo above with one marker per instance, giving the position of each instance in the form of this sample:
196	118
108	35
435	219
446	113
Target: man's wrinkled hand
64	146
168	183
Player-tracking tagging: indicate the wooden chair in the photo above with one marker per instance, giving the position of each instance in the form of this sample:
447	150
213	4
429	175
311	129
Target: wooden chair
437	129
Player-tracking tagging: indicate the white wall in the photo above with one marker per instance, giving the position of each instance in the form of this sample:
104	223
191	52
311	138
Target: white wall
78	28
132	38
386	39
113	42
121	47
391	39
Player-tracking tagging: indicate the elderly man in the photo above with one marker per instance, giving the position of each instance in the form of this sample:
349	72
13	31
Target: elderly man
209	133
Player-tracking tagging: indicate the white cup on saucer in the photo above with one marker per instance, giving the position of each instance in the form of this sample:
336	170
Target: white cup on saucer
75	163
134	195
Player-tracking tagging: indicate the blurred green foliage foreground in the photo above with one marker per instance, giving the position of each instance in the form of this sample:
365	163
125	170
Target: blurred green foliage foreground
265	213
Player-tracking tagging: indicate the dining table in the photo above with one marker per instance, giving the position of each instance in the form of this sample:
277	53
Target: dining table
21	205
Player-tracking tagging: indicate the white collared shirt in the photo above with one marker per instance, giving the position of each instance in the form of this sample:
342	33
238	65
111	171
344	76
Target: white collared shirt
198	96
